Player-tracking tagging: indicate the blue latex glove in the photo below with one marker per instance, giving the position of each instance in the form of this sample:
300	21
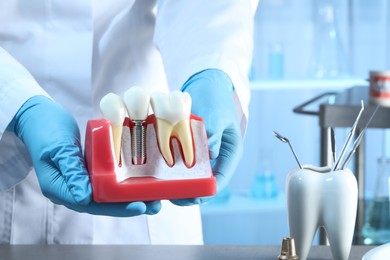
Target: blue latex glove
52	138
212	99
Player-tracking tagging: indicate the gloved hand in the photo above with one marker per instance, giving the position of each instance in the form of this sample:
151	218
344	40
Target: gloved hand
52	138
212	99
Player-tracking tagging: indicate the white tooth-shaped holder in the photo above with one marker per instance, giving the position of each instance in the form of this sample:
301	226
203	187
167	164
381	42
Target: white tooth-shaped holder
317	196
124	181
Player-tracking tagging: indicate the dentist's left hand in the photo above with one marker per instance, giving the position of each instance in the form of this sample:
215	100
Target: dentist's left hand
52	138
211	91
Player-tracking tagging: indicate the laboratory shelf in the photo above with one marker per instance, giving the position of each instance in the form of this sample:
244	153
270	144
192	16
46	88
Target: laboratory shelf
337	83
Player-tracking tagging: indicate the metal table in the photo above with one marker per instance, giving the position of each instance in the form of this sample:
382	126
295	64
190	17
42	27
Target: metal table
148	252
340	110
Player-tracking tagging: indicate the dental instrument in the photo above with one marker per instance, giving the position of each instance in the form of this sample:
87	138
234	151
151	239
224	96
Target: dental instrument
358	141
349	138
333	145
285	140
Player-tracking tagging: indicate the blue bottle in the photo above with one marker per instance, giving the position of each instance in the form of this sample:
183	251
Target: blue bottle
264	184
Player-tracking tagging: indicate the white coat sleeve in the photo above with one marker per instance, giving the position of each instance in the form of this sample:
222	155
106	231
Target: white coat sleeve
196	35
16	86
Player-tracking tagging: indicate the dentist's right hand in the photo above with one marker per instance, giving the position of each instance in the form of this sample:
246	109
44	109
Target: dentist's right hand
52	138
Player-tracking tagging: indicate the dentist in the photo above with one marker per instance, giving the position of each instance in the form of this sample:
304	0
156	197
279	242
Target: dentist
59	58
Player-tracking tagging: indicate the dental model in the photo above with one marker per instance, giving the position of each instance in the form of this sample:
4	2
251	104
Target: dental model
137	103
318	197
174	162
172	112
113	110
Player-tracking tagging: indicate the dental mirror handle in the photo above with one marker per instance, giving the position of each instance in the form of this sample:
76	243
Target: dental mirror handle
295	155
333	144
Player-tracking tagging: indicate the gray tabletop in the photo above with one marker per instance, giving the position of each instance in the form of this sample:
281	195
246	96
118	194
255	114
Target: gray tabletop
207	252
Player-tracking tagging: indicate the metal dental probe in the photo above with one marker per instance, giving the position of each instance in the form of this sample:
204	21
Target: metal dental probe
285	140
349	138
358	141
333	144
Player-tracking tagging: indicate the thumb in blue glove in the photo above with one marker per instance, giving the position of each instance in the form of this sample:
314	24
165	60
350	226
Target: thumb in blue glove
52	138
212	99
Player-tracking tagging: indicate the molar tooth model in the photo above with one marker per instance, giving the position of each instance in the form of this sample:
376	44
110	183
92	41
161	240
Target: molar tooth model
324	197
159	156
172	113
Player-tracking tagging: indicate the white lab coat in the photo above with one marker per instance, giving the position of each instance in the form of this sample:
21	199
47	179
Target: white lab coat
78	51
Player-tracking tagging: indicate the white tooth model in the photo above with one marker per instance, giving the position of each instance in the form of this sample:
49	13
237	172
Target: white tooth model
113	109
321	197
137	102
172	112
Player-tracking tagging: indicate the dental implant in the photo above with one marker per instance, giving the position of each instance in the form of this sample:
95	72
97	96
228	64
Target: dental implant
137	103
138	147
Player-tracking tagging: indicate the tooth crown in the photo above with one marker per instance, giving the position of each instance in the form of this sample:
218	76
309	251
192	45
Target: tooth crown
327	199
113	108
173	107
137	103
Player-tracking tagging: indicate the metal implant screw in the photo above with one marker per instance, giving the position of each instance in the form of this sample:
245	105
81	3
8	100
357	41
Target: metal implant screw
138	143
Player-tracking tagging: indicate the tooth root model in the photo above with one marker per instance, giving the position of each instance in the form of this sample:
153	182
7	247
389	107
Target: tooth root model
318	197
137	102
113	109
172	112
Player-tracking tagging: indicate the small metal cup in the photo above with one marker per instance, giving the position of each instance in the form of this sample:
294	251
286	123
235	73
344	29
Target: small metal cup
287	251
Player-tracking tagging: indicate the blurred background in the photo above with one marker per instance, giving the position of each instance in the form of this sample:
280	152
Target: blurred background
302	48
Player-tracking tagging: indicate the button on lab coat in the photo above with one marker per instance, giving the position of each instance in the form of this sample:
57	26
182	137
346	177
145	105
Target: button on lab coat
78	51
